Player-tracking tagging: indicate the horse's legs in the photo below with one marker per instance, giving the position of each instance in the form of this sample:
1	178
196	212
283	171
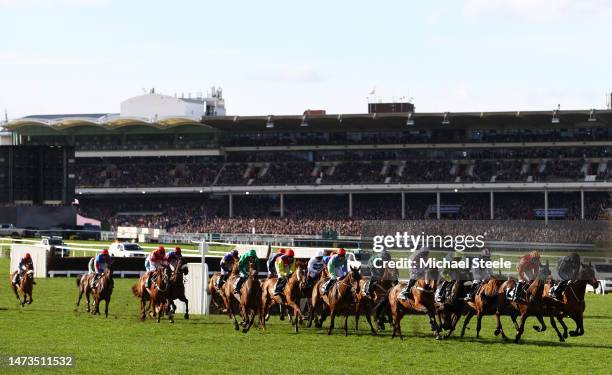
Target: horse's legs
398	324
332	315
513	316
466	321
106	307
579	326
31	300
142	307
78	302
346	314
233	315
554	325
521	329
358	308
560	319
478	323
542	326
251	318
186	301
369	320
88	301
431	312
499	328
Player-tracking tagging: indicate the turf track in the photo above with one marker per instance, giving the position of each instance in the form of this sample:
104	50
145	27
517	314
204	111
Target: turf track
122	344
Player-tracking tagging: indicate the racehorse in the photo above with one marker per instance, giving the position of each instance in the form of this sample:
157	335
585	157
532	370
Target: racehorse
84	285
573	300
157	294
227	294
339	298
489	299
25	287
177	287
422	301
215	294
102	292
377	300
250	300
290	296
533	305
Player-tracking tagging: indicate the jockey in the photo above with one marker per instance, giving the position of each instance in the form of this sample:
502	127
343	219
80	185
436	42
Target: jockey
417	271
568	267
172	258
528	269
337	268
153	262
227	263
285	267
271	263
25	264
243	264
449	277
315	267
480	274
102	262
377	270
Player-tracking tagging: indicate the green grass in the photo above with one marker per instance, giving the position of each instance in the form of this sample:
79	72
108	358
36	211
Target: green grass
121	344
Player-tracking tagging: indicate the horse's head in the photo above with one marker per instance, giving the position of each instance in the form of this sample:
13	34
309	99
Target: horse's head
183	267
301	275
588	273
355	273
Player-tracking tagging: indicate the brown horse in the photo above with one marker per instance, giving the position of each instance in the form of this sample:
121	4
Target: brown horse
177	287
157	294
339	298
25	286
378	298
230	301
573	304
250	300
533	304
215	294
489	299
290	296
84	285
103	292
422	301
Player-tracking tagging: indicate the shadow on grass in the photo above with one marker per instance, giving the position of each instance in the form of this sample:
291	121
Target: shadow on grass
510	341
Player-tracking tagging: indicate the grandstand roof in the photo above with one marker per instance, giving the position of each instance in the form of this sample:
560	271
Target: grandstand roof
330	123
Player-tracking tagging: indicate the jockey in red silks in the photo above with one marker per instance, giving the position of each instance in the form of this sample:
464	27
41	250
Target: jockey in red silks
528	269
153	262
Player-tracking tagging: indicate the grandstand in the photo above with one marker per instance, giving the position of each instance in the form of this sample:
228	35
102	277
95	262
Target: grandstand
304	174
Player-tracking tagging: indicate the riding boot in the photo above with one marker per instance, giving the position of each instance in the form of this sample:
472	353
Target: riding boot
407	291
327	286
238	285
518	291
219	282
472	292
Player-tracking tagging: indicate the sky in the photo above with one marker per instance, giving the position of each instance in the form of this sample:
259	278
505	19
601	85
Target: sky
282	57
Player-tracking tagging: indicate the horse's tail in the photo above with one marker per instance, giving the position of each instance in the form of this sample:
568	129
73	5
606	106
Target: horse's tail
135	290
78	281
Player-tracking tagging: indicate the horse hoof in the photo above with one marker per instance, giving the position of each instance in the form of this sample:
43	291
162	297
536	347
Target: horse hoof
236	328
186	316
537	328
497	332
438	337
565	335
